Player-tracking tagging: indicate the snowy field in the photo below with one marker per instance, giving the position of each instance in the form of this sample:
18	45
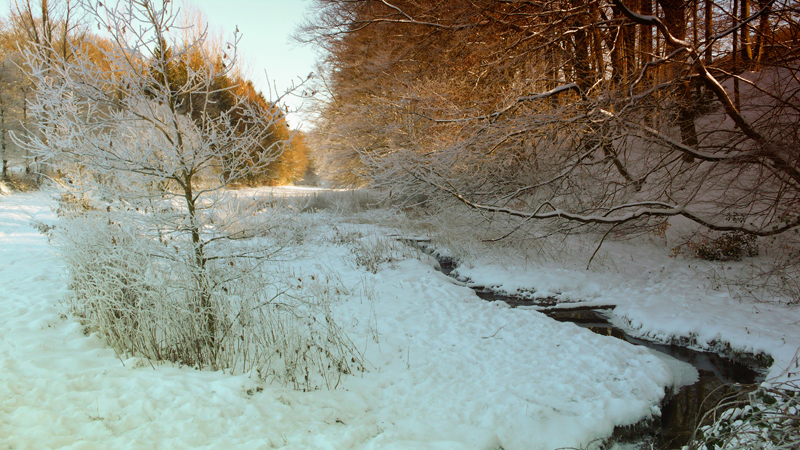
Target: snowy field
446	370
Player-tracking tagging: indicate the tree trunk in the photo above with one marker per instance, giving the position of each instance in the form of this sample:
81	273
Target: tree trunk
580	62
204	296
674	17
47	30
735	62
598	55
617	50
25	129
762	33
581	50
675	20
646	37
747	51
695	24
3	138
629	44
708	31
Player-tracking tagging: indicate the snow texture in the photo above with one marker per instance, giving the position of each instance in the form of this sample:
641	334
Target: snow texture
661	299
446	369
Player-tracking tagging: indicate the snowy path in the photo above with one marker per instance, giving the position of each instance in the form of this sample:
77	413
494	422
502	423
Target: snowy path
448	371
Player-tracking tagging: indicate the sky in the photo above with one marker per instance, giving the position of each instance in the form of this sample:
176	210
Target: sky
266	48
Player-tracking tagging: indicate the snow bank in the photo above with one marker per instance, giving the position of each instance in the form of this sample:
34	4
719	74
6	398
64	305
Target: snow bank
660	298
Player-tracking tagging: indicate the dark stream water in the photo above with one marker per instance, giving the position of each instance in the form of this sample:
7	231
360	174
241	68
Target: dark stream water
719	376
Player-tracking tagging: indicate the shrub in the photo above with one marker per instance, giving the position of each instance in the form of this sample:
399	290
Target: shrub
730	246
344	201
772	281
71	205
265	321
372	253
766	418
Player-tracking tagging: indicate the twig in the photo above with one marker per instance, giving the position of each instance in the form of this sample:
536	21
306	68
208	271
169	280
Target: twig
495	333
600	245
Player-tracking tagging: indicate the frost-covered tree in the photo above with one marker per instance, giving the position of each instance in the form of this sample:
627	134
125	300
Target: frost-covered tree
14	88
149	141
611	113
139	129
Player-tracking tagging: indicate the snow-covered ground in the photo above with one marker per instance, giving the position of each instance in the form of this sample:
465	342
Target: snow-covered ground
446	370
662	299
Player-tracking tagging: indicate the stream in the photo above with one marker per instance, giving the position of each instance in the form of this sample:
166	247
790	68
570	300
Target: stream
719	376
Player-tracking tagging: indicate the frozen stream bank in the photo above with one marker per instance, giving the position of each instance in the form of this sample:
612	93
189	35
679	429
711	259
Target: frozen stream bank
717	376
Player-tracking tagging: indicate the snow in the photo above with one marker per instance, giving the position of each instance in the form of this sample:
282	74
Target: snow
658	298
446	370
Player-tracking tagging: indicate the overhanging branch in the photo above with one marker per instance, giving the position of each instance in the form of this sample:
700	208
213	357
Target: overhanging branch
635	210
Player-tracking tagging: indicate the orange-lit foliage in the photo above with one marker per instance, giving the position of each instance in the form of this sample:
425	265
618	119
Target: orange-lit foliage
291	165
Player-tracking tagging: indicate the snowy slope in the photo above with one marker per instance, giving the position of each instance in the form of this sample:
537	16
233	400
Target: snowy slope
446	370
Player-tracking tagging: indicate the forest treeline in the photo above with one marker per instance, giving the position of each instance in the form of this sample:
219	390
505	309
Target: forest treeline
613	112
58	27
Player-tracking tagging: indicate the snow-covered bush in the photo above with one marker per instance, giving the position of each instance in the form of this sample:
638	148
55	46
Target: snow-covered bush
777	281
71	205
344	201
140	294
372	253
767	418
773	278
344	236
731	246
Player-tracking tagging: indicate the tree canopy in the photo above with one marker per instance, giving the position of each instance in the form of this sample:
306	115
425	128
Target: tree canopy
590	111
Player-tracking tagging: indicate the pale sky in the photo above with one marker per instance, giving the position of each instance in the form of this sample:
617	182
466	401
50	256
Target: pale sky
266	27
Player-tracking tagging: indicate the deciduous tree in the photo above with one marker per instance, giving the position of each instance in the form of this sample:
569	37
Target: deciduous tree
148	150
512	108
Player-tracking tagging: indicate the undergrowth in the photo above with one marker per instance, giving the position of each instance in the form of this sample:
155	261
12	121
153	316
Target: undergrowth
766	417
140	292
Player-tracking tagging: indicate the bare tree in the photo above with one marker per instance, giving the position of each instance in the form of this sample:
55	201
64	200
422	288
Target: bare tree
148	147
49	26
133	124
14	88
